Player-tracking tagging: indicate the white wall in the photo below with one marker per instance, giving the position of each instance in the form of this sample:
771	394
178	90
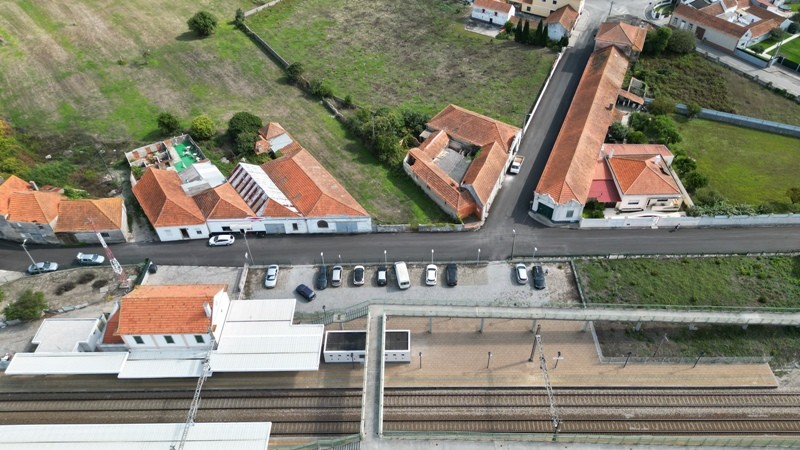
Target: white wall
492	16
544	8
711	35
556	31
159	342
561	213
166	234
219	312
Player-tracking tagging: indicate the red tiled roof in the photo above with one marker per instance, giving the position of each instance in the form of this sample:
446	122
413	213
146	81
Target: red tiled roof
222	202
34	207
494	5
272	130
163	200
642	175
631	96
700	18
470	127
636	149
623	34
74	215
311	188
485	170
435	143
441	184
713	9
110	335
569	170
11	185
176	309
566	16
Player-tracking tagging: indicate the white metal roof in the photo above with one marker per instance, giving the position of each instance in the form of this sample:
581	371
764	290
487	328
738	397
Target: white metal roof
63	335
203	171
307	343
66	363
264	182
264	362
261	310
235	329
156	436
280	141
162	368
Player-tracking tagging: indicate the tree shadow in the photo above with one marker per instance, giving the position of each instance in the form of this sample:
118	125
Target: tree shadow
187	36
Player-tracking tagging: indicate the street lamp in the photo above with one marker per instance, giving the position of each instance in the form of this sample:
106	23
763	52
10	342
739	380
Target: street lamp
513	242
431	256
27	253
322	255
534	251
384	258
479	256
340	259
243	230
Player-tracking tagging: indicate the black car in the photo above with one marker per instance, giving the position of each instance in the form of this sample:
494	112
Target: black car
382	276
538	277
306	292
322	278
452	274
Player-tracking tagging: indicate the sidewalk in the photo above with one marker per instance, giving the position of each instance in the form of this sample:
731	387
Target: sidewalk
778	76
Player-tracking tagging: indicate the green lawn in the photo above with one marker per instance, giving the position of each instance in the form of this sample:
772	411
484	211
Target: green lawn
692	78
744	165
78	73
733	281
791	50
412	53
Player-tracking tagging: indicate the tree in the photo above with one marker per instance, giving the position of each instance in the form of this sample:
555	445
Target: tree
294	72
245	142
681	42
661	106
777	33
663	130
168	124
637	137
243	122
202	128
683	165
508	27
526	33
29	306
618	132
239	20
203	23
694	109
518	32
656	41
539	38
694	180
793	194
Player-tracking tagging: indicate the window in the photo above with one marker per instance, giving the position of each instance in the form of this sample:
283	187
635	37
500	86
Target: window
570	213
294	227
529	9
322	224
169	339
199	231
105	234
495	13
199	339
483	10
555	2
138	340
226	228
633	202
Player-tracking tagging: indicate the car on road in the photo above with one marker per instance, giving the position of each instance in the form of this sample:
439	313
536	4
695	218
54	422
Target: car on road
271	278
322	278
42	267
430	274
221	240
382	275
521	272
306	292
538	277
358	275
336	276
452	274
90	259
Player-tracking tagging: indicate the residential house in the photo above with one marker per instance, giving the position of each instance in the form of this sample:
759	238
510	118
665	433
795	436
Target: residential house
28	213
462	161
172	213
273	138
177	153
545	8
628	38
224	209
200	177
492	11
561	22
727	24
80	220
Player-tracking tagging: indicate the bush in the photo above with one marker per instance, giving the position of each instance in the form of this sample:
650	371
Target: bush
168	124
246	142
320	89
661	106
793	28
56	173
793	194
99	283
239	19
243	122
294	72
683	165
693	109
202	128
347	102
203	23
593	209
65	287
86	277
681	42
657	41
618	132
637	137
694	180
29	306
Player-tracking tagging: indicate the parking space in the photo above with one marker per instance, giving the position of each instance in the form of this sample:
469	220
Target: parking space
492	283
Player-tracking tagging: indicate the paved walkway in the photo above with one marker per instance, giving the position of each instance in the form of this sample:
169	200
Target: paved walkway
780	77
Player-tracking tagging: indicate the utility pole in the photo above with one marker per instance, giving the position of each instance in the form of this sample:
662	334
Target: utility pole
550	396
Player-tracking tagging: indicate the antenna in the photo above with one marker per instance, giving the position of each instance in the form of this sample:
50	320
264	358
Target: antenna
123	279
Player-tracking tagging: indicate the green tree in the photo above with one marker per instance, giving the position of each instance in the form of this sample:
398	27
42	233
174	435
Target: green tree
661	105
508	27
526	33
203	23
683	165
29	306
202	128
637	137
617	132
242	122
656	41
694	180
663	130
239	20
681	42
793	194
294	72
518	32
168	124
414	121
539	38
694	109
245	142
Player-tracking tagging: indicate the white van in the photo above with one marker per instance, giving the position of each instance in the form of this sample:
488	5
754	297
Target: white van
401	271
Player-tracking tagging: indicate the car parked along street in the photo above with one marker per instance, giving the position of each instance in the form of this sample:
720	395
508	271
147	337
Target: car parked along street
538	277
306	292
221	240
521	272
42	267
430	275
90	259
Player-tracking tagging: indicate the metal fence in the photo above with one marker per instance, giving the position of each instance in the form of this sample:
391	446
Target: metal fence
765	220
744	121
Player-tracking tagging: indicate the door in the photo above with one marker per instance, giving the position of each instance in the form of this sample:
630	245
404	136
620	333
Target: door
700	32
544	210
184	233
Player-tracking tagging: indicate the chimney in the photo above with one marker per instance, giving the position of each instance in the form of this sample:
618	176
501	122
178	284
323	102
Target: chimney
611	106
34	186
207	309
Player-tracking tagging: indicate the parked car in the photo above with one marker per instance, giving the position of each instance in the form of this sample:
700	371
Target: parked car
430	274
452	274
538	277
322	278
358	275
221	239
152	267
90	259
271	278
42	267
336	276
306	292
522	273
383	278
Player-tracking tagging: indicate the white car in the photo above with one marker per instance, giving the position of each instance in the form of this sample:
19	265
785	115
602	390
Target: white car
430	275
90	259
336	276
220	240
522	273
271	279
42	267
358	275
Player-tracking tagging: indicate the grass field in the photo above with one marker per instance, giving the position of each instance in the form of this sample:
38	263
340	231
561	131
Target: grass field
76	67
744	165
412	53
790	50
692	78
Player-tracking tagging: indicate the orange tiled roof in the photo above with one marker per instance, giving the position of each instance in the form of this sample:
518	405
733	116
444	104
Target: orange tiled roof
566	16
11	185
74	215
622	33
435	143
222	202
110	335
485	171
163	200
706	20
631	96
713	9
34	207
176	309
494	5
467	126
311	188
642	175
568	173
441	184
271	130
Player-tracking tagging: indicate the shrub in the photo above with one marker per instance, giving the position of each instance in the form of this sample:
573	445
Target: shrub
65	287
793	194
56	173
681	42
693	109
320	89
657	41
246	142
239	19
243	122
683	165
29	306
99	283
661	106
86	277
637	137
202	128
347	102
168	124
694	180
294	72
203	23
508	27
137	172
618	132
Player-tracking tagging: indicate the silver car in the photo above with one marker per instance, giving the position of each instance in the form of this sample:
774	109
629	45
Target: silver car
42	267
271	279
522	273
222	239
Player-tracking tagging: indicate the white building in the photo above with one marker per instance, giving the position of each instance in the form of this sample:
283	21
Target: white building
347	346
492	11
561	22
174	215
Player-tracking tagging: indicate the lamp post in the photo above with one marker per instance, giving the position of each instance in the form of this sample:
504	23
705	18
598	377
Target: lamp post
557	358
479	257
27	253
420	360
384	258
513	242
322	256
431	256
340	259
698	359
664	339
244	230
489	361
534	251
627	357
324	315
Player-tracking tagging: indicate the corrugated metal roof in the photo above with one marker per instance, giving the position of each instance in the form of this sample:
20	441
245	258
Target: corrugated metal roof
162	368
66	363
272	344
266	185
236	329
212	436
264	362
63	335
261	310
